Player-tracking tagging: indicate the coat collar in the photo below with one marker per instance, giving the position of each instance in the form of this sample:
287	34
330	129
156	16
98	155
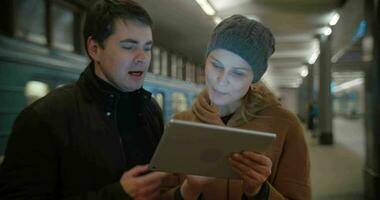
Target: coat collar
257	99
94	90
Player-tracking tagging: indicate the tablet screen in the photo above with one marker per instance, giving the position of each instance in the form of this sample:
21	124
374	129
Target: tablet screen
202	149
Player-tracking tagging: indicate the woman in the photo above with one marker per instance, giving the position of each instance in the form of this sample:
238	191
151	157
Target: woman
237	57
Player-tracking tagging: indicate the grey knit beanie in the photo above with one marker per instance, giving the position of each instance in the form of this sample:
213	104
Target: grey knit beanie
247	38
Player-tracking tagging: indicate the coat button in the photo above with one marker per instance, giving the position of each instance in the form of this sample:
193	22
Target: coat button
111	96
108	113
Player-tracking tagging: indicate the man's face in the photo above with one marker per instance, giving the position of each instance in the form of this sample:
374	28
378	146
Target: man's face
125	57
228	77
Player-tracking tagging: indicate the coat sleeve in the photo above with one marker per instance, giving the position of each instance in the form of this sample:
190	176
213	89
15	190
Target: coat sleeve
293	178
31	166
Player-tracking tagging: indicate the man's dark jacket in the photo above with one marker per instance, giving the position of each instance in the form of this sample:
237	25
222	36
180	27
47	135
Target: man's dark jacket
67	145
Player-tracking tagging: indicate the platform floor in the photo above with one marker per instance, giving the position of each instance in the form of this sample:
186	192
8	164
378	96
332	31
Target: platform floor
337	170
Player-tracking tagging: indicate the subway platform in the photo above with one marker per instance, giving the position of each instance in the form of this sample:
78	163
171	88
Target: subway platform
337	170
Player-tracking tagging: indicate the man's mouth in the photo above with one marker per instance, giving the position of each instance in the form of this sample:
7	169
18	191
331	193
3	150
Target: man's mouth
136	73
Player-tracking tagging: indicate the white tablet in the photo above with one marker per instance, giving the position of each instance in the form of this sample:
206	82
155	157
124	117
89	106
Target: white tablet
202	149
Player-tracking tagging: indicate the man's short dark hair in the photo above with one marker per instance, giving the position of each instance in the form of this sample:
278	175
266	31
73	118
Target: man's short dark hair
100	20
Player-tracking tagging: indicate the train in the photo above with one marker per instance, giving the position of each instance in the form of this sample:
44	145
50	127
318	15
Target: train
29	71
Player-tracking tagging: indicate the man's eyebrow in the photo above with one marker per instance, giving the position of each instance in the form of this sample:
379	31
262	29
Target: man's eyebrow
129	41
135	42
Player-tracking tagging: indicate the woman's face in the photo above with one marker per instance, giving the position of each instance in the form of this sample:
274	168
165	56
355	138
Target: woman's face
228	77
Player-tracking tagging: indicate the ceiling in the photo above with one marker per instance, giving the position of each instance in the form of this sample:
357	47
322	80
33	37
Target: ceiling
182	26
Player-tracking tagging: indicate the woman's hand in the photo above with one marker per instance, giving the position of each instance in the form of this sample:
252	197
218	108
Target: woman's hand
254	168
194	185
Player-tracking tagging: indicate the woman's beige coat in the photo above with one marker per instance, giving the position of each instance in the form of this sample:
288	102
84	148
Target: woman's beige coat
262	112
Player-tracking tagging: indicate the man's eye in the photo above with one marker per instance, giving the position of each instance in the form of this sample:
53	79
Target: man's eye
128	47
148	49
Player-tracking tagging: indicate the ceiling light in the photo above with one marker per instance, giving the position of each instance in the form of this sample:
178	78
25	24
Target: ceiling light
206	7
334	19
348	84
327	31
304	72
36	89
313	57
254	17
217	19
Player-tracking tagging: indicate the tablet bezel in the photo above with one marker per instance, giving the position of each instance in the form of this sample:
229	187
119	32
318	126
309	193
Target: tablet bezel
202	149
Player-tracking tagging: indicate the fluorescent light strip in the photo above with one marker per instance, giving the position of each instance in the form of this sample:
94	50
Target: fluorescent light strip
334	19
217	19
327	31
348	84
304	72
313	57
206	7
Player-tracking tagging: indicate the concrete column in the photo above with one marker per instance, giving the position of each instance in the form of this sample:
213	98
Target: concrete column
310	84
311	103
302	101
325	100
372	117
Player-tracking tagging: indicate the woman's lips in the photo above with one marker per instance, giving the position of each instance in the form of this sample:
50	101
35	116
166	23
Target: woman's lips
219	92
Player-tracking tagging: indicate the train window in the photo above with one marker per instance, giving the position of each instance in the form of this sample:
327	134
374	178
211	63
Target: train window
30	21
160	99
164	63
35	90
173	63
179	102
189	72
192	73
156	60
200	75
179	68
63	28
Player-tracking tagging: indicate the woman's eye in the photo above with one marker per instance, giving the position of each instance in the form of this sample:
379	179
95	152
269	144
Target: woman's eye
148	49
216	66
238	73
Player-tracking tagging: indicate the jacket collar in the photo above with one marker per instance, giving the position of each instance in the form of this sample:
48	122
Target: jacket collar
257	99
95	89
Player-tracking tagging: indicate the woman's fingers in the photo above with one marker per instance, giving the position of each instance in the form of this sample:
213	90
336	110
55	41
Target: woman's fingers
252	165
255	161
245	171
257	158
253	168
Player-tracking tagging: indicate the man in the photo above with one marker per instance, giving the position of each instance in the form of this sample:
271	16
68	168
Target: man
92	139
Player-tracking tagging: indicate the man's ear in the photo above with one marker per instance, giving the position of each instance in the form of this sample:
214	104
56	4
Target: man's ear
93	48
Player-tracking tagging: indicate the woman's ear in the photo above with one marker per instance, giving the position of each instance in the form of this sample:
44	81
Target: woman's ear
93	48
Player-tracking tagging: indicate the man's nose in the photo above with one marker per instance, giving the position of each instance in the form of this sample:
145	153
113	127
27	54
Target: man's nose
140	56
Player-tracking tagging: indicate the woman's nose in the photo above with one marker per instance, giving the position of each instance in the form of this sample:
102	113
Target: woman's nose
222	78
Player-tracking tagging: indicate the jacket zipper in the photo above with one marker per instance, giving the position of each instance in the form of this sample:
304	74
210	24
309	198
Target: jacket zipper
117	131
